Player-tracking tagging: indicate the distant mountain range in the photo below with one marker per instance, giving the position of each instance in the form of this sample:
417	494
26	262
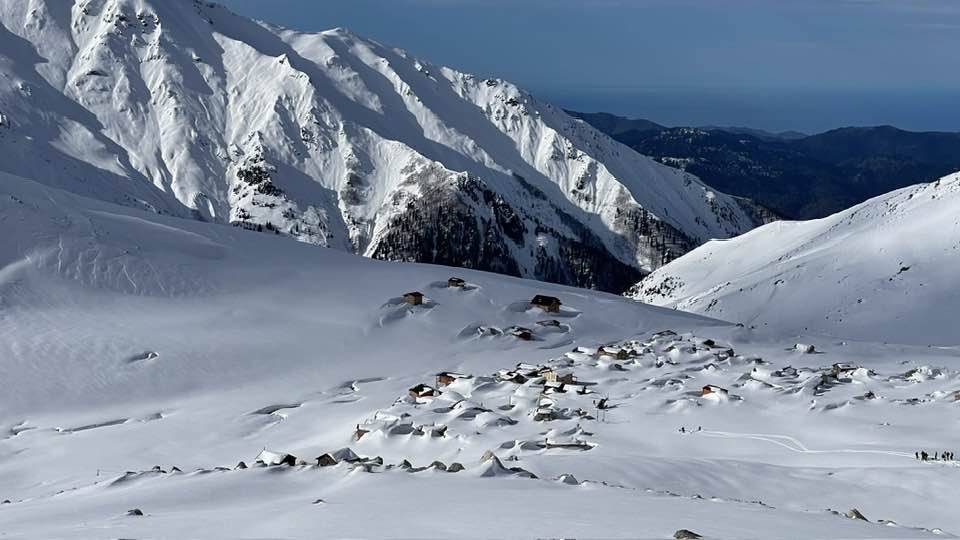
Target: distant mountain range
797	176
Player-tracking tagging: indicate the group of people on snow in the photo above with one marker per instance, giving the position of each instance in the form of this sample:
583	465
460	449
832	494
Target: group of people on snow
923	455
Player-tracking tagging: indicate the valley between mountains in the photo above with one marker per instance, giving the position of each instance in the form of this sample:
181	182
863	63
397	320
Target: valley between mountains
263	283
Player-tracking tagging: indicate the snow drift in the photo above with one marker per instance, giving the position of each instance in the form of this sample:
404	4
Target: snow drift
884	270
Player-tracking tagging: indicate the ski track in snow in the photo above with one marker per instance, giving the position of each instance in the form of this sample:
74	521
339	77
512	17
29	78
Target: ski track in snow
795	445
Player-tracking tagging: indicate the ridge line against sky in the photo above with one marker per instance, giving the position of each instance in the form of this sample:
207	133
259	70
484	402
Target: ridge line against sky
808	65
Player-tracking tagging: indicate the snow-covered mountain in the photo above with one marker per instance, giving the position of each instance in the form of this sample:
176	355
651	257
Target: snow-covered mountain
885	269
184	108
143	357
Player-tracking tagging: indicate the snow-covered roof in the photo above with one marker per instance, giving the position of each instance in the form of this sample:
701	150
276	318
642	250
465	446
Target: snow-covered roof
268	457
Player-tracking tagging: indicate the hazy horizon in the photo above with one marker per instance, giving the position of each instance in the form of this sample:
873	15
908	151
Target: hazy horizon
772	110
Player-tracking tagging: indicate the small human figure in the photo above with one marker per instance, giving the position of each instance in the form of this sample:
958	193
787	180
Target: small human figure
916	455
683	429
699	428
923	455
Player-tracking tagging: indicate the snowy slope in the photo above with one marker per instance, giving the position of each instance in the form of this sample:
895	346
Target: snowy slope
130	340
184	108
885	270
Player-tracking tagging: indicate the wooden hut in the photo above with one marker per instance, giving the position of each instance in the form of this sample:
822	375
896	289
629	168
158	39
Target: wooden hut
267	457
713	389
326	460
456	282
446	378
617	352
422	390
522	333
549	304
413	298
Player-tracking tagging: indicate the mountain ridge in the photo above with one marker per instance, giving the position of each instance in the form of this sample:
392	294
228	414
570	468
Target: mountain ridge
799	177
186	108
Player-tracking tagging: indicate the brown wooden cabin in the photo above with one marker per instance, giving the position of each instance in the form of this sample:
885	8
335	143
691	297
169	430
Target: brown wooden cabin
456	282
413	298
713	389
447	378
422	390
549	304
840	369
326	460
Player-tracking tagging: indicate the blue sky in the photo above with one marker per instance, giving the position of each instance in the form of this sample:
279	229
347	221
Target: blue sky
682	61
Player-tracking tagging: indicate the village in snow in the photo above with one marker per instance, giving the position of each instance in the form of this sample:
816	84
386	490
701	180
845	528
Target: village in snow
388	388
258	282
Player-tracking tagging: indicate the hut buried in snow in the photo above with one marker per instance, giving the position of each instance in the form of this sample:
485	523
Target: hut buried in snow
447	378
713	389
413	298
422	390
456	282
326	460
275	458
522	333
616	352
549	304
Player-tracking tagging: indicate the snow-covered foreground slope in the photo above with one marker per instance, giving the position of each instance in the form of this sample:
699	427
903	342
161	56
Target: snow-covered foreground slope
885	270
182	107
130	340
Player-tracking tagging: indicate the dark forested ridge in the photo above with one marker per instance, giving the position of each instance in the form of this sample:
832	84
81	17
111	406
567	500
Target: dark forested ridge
798	177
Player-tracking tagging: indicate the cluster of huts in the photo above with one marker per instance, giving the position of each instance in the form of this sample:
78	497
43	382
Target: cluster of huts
267	458
549	304
415	298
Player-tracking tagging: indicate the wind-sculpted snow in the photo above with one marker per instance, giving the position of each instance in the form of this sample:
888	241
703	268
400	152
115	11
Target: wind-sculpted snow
144	357
182	107
884	270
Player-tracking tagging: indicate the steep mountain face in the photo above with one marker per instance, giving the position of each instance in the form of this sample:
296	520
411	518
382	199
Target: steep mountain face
182	107
886	267
796	176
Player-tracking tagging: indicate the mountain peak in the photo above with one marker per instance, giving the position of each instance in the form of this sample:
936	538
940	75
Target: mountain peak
332	139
